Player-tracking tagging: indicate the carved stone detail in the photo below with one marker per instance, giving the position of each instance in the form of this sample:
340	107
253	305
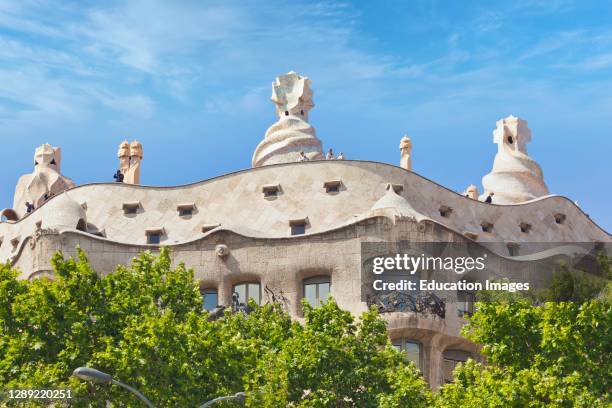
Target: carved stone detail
406	151
132	174
403	302
515	176
45	181
222	250
292	133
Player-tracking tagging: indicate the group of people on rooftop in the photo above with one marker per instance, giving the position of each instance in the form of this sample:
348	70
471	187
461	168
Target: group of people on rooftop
328	156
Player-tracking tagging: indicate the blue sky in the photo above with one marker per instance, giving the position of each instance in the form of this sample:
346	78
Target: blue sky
191	80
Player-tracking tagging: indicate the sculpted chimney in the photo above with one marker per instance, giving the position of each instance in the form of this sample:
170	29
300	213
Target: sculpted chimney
132	176
515	176
291	134
405	150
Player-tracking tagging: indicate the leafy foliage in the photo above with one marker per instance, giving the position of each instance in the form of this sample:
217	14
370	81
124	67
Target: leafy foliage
333	361
144	325
554	355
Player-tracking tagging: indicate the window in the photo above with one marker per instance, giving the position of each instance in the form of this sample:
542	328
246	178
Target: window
131	208
186	209
271	190
298	227
445	211
247	291
209	227
210	298
451	358
412	349
154	235
487	227
513	248
332	186
560	218
316	290
510	140
525	228
15	242
465	303
286	113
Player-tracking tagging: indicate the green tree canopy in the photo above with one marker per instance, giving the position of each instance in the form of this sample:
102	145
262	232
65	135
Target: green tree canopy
554	355
144	324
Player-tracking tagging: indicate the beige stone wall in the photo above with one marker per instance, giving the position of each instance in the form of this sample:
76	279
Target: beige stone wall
237	203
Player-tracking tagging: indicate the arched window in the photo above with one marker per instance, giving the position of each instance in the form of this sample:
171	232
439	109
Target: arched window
210	298
316	290
250	290
413	350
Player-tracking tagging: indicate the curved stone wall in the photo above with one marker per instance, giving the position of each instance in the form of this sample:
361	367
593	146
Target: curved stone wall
236	201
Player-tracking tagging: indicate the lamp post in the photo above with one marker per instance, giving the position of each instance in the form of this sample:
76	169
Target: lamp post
238	397
93	375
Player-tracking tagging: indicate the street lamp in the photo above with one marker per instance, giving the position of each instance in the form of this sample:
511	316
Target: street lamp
93	375
238	397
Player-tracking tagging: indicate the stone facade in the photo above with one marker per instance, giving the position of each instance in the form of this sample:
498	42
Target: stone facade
283	222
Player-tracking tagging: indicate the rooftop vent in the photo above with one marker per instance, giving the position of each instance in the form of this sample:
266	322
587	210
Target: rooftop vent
298	226
486	226
560	218
185	209
154	235
445	211
271	190
332	186
131	208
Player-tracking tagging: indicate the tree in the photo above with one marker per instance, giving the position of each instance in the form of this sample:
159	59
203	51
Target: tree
334	361
557	355
144	325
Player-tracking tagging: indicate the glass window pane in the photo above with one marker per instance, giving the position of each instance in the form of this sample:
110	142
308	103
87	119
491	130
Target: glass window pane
310	293
211	299
241	291
298	229
154	238
413	353
323	291
254	292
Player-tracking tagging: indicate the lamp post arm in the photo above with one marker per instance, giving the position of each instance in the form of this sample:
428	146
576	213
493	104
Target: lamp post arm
135	392
239	397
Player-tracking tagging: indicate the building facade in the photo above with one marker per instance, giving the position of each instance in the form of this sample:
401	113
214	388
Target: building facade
294	225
